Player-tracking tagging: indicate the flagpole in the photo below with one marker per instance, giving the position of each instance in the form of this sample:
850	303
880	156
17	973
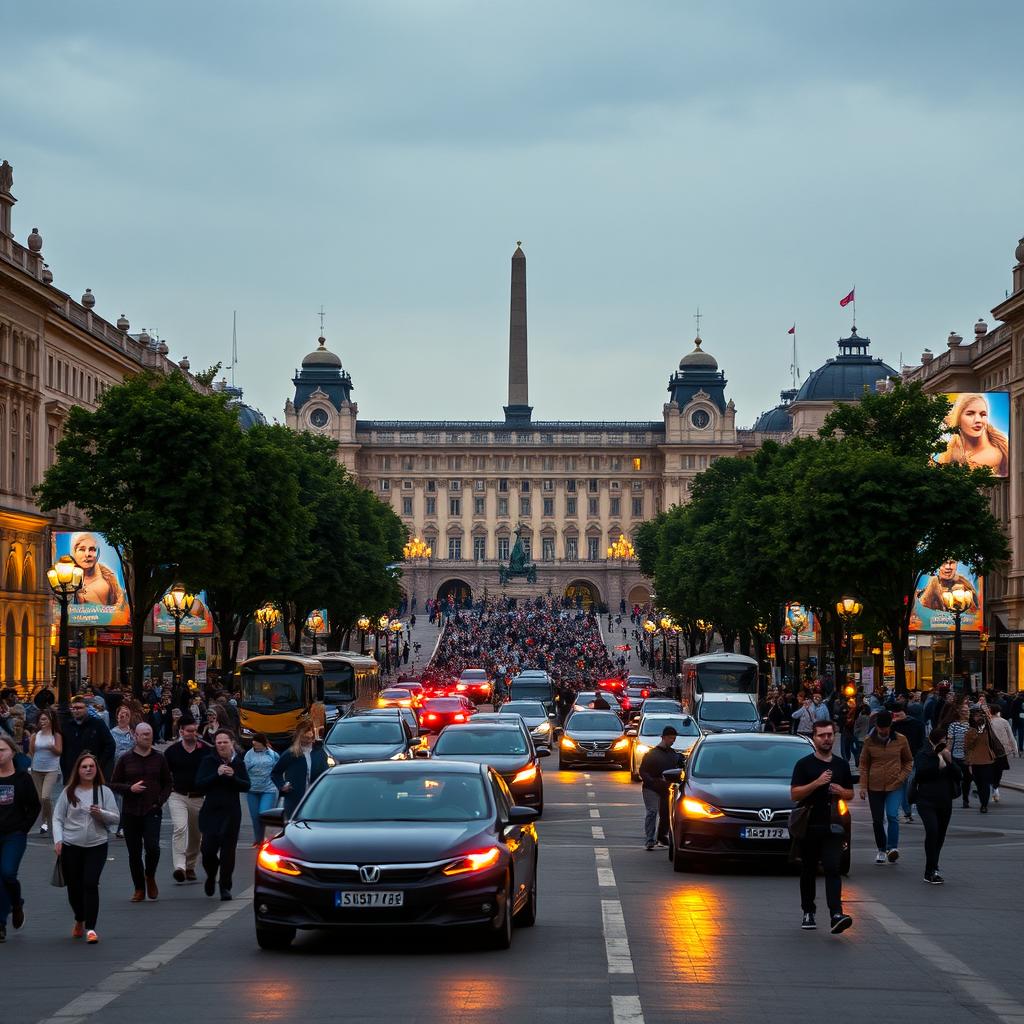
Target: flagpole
855	307
795	371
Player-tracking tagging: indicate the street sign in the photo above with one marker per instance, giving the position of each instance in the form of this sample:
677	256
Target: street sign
1013	636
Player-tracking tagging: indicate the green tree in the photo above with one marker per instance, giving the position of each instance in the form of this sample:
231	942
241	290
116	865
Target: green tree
148	468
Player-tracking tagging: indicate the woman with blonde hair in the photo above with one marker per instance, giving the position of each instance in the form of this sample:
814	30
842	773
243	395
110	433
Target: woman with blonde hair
45	748
975	442
299	766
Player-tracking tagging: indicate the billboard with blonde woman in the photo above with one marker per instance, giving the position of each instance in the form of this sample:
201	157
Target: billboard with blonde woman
102	600
978	431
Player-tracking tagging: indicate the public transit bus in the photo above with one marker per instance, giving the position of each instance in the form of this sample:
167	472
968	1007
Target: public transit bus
347	677
277	690
717	673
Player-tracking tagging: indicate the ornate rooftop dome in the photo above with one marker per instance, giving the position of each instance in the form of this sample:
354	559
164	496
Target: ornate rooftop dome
777	420
322	356
846	377
698	359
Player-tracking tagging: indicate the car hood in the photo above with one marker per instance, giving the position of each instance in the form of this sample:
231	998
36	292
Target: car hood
713	726
349	753
682	743
502	764
752	794
381	842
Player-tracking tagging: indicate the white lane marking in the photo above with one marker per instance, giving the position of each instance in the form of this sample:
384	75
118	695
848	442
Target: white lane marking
114	985
591	795
597	832
626	1010
594	812
978	988
586	775
605	874
616	943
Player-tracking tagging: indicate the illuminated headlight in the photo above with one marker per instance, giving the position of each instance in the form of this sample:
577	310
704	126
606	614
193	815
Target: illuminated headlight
542	729
642	748
330	761
620	744
694	808
528	774
568	744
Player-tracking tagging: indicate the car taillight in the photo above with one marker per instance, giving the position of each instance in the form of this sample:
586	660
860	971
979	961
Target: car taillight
458	717
461	687
431	717
624	702
645	693
479	861
527	774
272	860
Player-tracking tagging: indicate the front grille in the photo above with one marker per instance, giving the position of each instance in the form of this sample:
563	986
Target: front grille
350	875
595	744
753	815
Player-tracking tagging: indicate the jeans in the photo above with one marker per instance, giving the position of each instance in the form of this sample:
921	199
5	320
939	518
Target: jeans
935	818
45	783
885	809
845	746
821	846
968	778
82	866
905	793
219	855
655	808
142	832
12	849
185	835
983	780
856	746
260	802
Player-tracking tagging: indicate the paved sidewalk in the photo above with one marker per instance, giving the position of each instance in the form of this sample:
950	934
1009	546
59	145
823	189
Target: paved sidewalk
1014	778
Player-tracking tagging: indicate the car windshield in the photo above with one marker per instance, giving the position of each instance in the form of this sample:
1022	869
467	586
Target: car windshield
651	706
366	730
444	704
467	740
474	675
594	721
728	711
526	708
396	796
396	695
339	682
727	677
534	689
271	684
746	759
684	726
587	698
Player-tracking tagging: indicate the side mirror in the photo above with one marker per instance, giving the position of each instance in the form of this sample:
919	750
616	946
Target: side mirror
522	815
631	732
673	775
273	817
543	751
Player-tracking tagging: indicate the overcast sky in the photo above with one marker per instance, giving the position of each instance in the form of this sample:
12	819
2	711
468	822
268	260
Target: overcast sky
382	158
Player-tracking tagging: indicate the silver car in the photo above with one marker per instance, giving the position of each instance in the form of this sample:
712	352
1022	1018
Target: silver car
538	720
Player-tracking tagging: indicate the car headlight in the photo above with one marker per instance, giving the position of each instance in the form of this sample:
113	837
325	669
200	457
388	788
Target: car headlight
621	744
568	744
271	860
843	809
543	728
528	774
642	748
694	808
330	761
474	862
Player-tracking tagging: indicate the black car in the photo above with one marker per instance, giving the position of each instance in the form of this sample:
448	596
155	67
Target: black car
408	715
505	747
732	798
369	738
593	738
400	844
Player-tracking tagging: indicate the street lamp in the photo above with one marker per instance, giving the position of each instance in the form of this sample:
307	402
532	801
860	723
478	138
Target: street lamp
178	602
396	628
650	628
416	550
665	624
363	624
798	623
957	600
848	609
65	579
621	552
380	626
314	625
707	628
267	618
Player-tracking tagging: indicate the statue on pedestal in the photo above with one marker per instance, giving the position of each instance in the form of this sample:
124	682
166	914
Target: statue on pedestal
519	566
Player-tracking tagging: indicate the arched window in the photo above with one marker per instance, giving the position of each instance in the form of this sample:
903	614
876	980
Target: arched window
27	661
28	574
11	579
10	648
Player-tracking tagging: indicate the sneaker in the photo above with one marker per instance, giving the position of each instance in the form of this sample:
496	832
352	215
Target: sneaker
984	810
190	875
840	922
936	878
880	857
808	923
648	845
18	916
78	931
119	834
225	895
91	937
908	819
892	856
179	875
43	829
995	795
210	885
663	843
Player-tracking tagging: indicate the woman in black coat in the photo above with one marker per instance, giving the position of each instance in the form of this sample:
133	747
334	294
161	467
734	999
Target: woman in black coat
223	778
299	767
937	782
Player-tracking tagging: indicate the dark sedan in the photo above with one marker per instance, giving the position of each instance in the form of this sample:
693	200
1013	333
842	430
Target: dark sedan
506	748
437	712
366	738
593	738
732	798
400	844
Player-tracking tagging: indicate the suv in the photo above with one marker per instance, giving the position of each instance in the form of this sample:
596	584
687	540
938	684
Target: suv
728	712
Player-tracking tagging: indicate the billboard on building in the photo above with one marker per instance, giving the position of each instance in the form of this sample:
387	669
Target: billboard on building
978	431
808	632
199	622
102	601
930	614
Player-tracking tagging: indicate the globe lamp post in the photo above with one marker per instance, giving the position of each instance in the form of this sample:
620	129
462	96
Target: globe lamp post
65	579
178	603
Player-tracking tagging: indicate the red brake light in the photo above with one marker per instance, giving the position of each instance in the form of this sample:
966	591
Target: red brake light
431	717
645	693
459	717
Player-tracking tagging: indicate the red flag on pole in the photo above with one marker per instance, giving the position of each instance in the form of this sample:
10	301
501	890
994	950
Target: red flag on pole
792	330
848	299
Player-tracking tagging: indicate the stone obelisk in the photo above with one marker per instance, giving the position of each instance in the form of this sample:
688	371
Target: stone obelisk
518	409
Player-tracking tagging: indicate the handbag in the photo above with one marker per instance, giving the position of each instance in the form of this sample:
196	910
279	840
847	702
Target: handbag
999	758
57	876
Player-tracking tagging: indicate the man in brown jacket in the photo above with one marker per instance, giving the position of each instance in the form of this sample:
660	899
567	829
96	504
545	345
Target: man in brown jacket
885	762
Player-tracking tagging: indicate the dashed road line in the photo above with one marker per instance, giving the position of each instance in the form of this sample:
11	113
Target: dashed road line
594	812
616	942
605	874
597	831
626	1010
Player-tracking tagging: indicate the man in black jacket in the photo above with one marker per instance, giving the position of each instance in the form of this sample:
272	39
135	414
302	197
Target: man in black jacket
82	732
914	732
658	759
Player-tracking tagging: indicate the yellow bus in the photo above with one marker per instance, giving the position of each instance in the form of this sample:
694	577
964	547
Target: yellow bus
347	678
277	690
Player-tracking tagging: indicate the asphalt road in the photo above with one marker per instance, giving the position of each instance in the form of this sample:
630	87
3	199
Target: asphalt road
620	937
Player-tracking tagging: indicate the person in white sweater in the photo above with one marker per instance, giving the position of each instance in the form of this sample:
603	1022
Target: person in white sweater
1003	731
86	811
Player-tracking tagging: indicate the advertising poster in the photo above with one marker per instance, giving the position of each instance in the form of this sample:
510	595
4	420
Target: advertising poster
198	622
102	600
930	614
978	431
808	634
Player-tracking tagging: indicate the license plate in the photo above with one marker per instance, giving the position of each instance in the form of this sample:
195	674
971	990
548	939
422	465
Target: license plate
369	899
595	753
764	833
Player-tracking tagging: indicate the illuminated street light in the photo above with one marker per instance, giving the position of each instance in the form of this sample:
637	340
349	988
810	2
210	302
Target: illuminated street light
65	579
178	602
267	618
848	609
957	600
314	626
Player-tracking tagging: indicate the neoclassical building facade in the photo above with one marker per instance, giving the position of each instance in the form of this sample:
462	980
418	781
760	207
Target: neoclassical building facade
571	488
